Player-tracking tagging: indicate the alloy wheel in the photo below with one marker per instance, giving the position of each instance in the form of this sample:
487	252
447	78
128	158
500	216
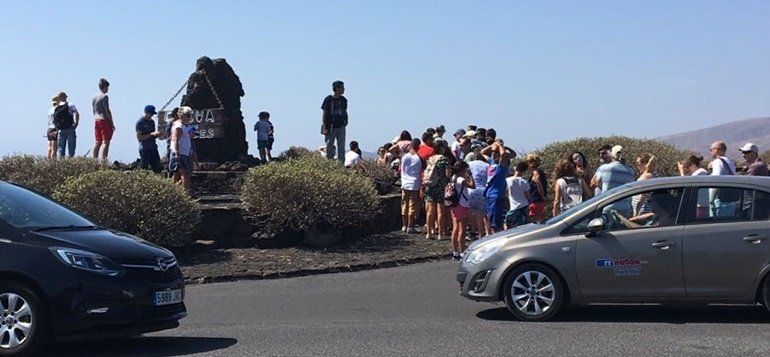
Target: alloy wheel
15	320
533	293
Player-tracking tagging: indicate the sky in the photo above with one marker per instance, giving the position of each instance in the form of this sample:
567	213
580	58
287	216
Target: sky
536	71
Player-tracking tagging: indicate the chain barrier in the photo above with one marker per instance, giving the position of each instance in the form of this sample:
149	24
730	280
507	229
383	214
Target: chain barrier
174	97
213	91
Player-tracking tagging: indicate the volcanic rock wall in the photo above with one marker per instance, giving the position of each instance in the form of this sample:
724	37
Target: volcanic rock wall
233	146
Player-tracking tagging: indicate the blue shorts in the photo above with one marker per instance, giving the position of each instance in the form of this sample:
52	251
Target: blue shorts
181	162
496	212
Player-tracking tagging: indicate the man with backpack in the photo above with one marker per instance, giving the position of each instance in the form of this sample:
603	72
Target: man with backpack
66	119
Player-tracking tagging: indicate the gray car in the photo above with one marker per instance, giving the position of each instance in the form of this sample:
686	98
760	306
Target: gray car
677	240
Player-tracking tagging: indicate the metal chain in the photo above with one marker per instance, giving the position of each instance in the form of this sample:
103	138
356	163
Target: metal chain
213	91
174	97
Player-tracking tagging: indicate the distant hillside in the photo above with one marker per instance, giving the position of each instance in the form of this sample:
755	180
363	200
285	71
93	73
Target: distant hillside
735	134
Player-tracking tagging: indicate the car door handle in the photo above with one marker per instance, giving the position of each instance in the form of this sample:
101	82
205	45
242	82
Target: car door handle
754	238
663	245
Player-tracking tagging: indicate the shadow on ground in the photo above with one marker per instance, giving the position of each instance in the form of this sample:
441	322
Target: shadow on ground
142	346
637	313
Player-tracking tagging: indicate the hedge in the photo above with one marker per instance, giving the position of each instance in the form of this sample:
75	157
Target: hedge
136	202
308	193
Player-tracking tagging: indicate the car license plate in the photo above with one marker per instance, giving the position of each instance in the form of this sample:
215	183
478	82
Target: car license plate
167	297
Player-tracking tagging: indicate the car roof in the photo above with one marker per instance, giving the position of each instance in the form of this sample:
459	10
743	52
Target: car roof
704	179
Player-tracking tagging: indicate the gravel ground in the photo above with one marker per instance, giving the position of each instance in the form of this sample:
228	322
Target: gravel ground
207	264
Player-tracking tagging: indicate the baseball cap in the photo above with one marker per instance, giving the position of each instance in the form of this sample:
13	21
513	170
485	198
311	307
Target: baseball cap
617	151
469	134
749	147
150	109
460	131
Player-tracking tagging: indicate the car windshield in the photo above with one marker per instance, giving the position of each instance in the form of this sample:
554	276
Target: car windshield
572	210
27	210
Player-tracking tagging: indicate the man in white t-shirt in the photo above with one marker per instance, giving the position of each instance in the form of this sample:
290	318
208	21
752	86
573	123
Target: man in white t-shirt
518	197
411	180
721	165
353	157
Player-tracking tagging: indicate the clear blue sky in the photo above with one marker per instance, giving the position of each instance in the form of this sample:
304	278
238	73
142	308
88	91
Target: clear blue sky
537	71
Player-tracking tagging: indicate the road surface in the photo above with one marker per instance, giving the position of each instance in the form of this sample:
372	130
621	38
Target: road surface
415	310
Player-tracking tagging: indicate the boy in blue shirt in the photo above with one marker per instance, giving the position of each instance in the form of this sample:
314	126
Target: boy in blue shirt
146	135
265	138
495	191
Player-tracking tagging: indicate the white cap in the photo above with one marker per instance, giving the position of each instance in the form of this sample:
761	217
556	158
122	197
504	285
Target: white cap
617	152
469	134
749	147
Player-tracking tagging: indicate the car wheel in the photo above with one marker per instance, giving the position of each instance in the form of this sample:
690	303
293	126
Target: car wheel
534	292
22	323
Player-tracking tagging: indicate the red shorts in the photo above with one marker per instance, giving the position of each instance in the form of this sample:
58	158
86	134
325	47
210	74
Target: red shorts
537	211
103	130
460	212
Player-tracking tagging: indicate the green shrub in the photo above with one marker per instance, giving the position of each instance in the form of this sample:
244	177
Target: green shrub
307	193
136	202
667	155
44	175
383	177
296	152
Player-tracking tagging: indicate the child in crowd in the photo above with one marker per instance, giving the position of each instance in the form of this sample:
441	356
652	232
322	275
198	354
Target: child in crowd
462	182
518	197
411	181
353	157
265	132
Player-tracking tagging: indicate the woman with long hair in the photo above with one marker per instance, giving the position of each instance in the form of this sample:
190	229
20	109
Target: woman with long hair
645	163
582	171
462	182
691	166
537	188
568	189
402	144
436	176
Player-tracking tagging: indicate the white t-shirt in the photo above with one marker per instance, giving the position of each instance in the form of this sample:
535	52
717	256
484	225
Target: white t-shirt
463	191
411	172
699	172
517	192
352	158
718	168
73	109
185	142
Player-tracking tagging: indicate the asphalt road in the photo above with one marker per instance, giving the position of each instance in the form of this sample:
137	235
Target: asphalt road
415	310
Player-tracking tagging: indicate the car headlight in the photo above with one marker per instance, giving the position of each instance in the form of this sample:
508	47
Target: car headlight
81	259
485	251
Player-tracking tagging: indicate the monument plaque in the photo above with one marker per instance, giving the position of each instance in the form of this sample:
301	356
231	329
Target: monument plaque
208	123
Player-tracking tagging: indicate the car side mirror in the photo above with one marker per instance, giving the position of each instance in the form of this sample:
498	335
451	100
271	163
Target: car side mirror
595	226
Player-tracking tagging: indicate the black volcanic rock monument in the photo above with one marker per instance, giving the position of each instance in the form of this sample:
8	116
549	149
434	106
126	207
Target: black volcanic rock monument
215	91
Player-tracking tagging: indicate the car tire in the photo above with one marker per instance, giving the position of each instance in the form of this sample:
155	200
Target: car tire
534	292
28	315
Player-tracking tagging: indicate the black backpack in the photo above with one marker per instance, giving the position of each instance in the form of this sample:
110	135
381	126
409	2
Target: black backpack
62	117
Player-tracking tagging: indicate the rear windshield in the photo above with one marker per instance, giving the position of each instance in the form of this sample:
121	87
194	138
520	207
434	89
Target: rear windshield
25	209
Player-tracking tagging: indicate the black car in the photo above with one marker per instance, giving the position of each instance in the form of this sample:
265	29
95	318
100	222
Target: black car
62	277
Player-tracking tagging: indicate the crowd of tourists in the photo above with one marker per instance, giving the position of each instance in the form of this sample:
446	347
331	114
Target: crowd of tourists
475	185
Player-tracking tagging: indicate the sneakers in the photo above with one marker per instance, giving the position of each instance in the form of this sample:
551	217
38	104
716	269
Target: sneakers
429	236
403	228
456	256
